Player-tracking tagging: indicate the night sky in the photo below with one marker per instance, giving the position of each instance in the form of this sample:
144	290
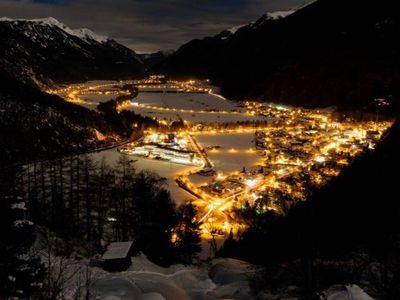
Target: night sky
148	25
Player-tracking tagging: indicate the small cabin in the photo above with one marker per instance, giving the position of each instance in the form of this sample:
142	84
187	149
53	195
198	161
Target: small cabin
117	256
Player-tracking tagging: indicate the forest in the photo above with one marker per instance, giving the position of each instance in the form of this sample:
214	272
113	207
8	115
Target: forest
71	208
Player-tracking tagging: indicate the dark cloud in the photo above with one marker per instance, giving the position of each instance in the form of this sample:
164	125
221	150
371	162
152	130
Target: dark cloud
148	25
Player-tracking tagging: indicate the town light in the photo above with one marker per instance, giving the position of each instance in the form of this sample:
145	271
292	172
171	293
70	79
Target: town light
251	183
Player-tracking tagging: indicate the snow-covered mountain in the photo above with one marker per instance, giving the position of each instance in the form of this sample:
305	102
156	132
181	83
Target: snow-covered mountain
269	16
42	51
328	53
82	33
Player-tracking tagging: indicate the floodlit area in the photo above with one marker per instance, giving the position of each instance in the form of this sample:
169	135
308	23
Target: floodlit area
275	166
229	156
177	148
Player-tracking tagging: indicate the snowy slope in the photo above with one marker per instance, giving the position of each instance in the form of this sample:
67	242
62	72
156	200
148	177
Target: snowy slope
43	51
82	33
222	278
219	279
50	126
282	56
269	16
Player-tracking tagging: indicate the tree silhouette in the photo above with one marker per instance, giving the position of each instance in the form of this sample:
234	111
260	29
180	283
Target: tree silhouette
187	244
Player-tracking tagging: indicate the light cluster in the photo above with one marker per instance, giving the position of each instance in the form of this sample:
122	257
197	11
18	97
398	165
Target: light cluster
299	150
296	150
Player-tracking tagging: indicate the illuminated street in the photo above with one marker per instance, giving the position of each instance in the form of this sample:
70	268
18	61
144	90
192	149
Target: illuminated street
269	159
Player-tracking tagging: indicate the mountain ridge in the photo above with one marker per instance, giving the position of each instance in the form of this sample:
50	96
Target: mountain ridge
348	60
42	52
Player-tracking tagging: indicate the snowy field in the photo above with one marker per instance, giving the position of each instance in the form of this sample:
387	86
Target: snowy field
237	150
193	107
196	117
195	101
162	168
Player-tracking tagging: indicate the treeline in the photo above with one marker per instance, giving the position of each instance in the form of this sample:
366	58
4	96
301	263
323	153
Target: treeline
35	125
53	212
124	122
346	232
22	274
81	200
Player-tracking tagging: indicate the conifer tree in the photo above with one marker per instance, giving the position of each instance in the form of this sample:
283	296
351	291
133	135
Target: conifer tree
21	272
187	244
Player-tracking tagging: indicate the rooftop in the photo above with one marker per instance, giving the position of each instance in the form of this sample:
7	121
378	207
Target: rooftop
117	250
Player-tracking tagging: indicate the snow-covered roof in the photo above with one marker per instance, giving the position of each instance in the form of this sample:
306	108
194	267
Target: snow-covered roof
117	250
276	15
19	205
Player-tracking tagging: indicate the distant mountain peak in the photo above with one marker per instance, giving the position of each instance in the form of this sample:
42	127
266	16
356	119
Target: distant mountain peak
82	33
233	29
280	14
276	15
45	51
282	60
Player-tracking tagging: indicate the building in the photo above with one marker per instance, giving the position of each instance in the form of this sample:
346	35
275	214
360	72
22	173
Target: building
118	256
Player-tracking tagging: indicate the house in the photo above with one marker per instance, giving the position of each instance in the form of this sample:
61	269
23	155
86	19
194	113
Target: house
117	256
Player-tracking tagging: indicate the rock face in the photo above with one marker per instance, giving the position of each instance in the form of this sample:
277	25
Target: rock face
331	52
42	51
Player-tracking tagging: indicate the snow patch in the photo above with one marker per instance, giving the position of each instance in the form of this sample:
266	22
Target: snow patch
271	16
349	292
87	34
228	270
235	28
19	205
22	223
279	14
